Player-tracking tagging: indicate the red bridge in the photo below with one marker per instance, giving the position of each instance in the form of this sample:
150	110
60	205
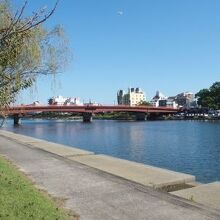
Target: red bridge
87	110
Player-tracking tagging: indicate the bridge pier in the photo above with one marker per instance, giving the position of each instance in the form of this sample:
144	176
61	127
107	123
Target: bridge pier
141	116
17	119
87	117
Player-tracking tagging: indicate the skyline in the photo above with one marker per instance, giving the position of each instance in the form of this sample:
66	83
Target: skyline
168	46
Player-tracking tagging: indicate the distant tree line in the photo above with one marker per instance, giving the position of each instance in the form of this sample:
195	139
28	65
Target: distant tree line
144	103
210	98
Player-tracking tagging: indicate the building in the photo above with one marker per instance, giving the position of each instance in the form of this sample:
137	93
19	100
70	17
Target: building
73	101
57	100
133	97
92	103
185	99
160	100
171	103
60	100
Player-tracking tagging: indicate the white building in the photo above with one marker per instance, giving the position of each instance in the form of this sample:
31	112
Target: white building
155	102
58	100
36	103
160	100
133	97
171	103
73	101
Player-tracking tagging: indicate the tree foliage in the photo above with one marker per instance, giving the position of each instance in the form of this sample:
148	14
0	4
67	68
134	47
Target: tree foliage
210	97
144	103
27	49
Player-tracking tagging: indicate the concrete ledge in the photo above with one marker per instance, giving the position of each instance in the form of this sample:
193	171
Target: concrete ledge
207	194
18	137
140	173
59	149
146	175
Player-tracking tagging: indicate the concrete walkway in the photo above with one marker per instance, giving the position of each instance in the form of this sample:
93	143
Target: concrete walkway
95	194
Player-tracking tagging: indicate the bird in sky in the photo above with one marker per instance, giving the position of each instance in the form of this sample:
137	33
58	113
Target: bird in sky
120	13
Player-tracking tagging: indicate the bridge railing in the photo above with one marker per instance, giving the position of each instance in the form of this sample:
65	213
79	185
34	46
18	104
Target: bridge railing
22	109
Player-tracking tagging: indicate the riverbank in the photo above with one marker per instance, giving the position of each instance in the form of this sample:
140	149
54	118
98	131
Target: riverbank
92	185
183	146
77	116
126	116
157	178
20	200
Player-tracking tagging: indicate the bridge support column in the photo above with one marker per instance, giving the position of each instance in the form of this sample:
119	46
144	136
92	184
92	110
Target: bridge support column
141	116
17	120
87	117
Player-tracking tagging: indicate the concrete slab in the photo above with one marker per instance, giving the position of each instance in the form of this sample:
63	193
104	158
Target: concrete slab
140	173
58	149
207	194
18	137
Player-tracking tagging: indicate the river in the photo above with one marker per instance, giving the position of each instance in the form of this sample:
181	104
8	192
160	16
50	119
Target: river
186	146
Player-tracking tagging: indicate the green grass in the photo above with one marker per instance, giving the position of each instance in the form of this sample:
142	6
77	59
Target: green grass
20	200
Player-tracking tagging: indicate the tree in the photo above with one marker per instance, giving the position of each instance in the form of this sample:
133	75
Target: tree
210	97
27	49
50	101
144	103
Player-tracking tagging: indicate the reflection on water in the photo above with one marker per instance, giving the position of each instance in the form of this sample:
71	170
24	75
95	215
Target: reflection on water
185	146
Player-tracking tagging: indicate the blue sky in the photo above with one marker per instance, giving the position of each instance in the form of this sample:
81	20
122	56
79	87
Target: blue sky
166	45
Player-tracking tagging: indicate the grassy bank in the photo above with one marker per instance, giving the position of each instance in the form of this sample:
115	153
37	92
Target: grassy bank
20	200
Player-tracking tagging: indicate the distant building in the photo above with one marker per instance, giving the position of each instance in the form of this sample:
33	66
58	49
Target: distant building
92	103
185	99
171	103
36	103
160	100
57	100
73	101
133	97
60	100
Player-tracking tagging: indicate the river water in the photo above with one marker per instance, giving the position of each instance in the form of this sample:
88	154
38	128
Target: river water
186	146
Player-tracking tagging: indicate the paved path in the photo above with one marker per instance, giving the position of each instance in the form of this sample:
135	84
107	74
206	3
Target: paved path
96	195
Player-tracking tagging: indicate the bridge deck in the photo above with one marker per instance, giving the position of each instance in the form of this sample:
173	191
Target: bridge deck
87	108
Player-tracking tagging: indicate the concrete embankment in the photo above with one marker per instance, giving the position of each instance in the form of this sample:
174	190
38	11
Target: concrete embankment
146	175
207	194
103	187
